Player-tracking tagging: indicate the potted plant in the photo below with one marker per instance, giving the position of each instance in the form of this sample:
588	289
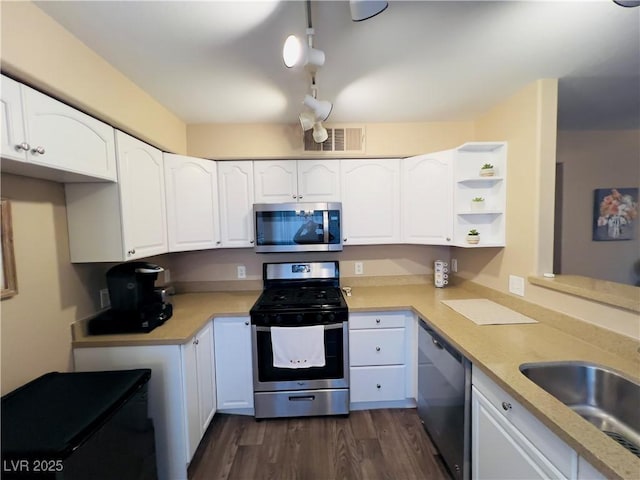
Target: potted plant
477	203
473	236
487	170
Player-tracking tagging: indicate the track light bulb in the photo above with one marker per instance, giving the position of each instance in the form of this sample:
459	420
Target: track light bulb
295	52
320	133
307	120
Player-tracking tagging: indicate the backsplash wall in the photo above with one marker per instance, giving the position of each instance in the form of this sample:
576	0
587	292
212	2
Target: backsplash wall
221	266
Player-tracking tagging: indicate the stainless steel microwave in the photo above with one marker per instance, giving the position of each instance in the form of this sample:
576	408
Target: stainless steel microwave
298	227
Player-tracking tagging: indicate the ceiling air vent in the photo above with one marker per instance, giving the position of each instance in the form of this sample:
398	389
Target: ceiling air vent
347	140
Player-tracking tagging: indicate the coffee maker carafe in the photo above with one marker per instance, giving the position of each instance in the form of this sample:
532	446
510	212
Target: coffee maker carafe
135	305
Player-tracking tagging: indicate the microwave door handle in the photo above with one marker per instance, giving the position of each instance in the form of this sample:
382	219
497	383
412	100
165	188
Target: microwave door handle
325	227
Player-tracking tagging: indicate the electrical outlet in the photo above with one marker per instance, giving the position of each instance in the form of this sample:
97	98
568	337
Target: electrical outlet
454	265
105	301
242	271
516	285
359	268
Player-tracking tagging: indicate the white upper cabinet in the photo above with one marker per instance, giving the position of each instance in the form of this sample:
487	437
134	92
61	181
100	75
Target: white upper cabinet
118	222
297	180
45	138
371	201
487	216
235	190
193	222
427	199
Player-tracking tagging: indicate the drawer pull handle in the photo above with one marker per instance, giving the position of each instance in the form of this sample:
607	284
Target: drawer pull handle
437	344
378	386
303	398
377	349
377	320
506	406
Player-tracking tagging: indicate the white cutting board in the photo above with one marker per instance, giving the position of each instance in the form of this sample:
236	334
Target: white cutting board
485	312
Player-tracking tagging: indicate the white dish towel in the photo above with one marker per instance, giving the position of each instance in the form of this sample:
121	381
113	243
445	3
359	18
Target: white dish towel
298	347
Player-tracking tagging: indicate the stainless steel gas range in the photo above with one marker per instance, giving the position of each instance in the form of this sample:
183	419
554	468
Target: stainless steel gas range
300	342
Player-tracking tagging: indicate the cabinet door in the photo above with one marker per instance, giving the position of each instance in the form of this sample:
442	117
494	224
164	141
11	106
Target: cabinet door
192	203
142	198
371	201
199	386
275	181
235	182
12	135
206	376
319	180
67	139
500	451
234	371
427	199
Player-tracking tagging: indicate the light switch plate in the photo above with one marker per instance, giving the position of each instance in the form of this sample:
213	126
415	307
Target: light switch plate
242	271
105	301
516	285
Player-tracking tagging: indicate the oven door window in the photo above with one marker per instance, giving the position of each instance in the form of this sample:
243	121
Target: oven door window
334	360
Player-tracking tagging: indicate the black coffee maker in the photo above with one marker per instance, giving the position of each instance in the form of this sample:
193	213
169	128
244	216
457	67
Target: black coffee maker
135	305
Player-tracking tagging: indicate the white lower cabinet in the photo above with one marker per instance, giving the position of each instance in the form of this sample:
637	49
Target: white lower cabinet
234	368
181	392
509	443
200	386
381	359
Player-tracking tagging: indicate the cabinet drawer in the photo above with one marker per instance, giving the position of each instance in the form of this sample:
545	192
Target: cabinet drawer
376	320
376	384
376	347
559	453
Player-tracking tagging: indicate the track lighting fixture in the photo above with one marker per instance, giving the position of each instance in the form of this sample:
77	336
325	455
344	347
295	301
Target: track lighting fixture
321	108
364	9
295	52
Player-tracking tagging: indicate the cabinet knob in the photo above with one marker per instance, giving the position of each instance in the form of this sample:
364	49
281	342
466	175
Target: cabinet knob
247	322
344	240
23	146
294	196
448	239
218	242
378	386
252	242
377	320
196	341
131	252
506	406
300	197
377	349
39	150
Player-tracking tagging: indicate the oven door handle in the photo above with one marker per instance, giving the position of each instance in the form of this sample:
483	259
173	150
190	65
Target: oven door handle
331	326
325	227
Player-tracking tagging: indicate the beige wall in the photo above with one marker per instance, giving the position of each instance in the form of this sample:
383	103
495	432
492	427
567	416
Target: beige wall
527	120
285	141
597	159
52	293
38	51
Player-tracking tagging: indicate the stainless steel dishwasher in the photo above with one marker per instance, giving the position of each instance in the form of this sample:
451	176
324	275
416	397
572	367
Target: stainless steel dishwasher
444	400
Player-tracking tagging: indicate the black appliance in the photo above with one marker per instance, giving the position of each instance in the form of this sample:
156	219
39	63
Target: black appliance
444	400
136	306
76	426
296	295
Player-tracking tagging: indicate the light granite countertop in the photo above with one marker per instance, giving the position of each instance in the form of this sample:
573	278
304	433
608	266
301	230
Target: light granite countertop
498	350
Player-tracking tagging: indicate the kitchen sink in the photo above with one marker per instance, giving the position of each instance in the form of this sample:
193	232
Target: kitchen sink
607	399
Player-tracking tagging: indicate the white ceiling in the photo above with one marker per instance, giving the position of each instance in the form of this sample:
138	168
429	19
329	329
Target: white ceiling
220	61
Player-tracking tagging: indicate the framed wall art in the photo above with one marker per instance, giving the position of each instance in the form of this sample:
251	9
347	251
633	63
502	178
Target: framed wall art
615	213
9	282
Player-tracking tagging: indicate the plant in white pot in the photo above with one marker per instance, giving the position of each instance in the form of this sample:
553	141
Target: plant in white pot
477	204
487	170
473	236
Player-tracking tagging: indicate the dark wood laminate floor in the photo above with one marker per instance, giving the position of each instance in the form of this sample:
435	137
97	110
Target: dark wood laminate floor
371	444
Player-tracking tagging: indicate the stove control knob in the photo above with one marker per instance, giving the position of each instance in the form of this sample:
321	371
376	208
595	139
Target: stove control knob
331	317
319	317
277	318
299	318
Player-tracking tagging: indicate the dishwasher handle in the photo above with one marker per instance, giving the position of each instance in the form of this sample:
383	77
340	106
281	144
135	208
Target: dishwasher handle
440	343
